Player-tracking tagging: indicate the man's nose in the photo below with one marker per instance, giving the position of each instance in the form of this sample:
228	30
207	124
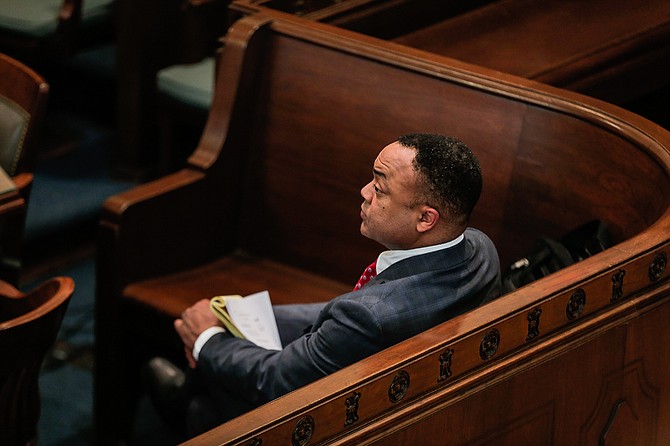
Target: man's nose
366	192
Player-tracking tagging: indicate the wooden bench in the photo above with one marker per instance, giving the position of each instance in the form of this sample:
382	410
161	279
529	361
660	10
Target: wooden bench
613	50
272	194
612	58
151	35
385	19
154	34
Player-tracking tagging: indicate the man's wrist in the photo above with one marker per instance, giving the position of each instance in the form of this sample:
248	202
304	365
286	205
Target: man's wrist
203	337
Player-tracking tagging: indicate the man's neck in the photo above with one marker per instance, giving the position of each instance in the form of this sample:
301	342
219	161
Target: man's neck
437	236
389	257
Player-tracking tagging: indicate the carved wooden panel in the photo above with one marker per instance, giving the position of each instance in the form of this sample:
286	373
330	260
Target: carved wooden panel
626	411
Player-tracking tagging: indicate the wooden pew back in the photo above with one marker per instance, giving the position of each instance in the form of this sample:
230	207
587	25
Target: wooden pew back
316	128
300	111
618	57
317	105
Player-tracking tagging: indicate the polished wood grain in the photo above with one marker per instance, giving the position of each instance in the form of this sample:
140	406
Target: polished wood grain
151	35
612	50
29	323
276	178
154	34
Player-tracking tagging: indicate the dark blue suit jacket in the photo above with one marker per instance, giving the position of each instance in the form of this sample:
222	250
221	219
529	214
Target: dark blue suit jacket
407	298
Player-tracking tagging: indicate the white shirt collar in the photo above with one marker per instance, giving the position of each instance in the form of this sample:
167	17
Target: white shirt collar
388	258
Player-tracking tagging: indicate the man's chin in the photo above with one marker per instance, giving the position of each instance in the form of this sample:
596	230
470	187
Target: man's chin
365	233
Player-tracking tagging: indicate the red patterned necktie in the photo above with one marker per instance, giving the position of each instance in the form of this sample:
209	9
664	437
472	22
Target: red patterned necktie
368	274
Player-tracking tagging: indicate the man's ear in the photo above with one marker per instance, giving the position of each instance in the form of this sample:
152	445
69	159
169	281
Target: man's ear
429	218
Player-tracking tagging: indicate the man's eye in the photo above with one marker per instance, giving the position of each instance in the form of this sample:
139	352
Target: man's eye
377	190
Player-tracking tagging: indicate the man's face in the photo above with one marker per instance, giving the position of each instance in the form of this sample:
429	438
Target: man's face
387	215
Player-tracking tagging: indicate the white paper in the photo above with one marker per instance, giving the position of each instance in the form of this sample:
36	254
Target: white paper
254	317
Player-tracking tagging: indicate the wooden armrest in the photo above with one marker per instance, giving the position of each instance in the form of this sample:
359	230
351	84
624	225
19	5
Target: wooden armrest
116	207
7	290
23	181
15	199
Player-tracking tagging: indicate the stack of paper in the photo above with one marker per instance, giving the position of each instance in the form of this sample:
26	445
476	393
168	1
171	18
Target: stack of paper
249	318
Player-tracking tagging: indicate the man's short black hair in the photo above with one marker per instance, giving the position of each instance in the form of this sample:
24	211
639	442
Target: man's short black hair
450	172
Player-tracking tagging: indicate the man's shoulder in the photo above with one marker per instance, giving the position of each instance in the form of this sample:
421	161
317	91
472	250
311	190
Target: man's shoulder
480	241
474	233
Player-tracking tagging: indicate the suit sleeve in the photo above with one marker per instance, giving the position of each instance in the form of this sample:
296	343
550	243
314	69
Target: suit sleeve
348	333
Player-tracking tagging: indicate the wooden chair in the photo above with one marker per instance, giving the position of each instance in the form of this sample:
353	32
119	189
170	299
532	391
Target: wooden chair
23	101
39	32
29	323
268	201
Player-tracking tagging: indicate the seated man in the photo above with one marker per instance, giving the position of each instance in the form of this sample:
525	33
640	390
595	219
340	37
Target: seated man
417	205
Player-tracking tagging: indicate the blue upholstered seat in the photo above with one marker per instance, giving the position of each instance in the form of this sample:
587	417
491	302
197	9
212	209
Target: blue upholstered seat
39	18
192	84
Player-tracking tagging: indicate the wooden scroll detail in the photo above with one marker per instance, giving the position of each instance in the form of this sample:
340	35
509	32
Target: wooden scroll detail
657	267
445	365
576	304
533	324
489	345
399	386
617	285
304	429
351	408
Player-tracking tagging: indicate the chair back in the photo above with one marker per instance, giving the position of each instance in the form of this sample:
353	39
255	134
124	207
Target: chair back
29	323
23	98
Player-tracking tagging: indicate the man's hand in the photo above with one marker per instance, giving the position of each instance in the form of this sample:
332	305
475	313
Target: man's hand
194	320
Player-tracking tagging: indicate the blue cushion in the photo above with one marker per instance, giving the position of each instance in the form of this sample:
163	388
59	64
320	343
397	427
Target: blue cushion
192	84
38	18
